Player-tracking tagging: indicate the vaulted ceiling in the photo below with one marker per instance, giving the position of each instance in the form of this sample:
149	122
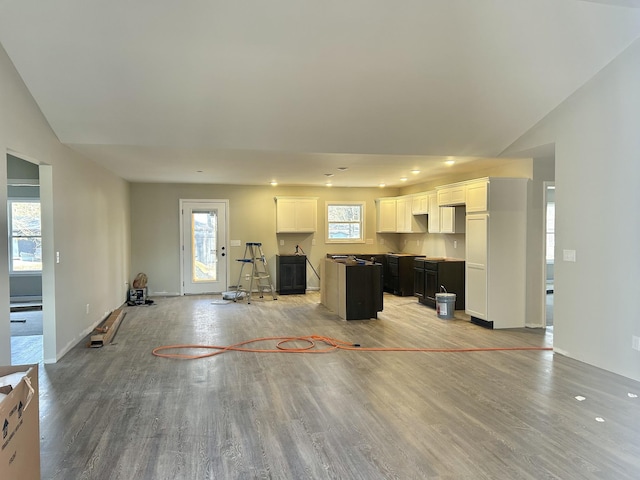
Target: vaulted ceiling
246	91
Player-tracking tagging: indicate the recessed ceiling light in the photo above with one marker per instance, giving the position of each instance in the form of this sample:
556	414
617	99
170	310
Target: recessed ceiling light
403	179
415	172
382	185
328	174
450	162
198	171
343	169
273	183
329	184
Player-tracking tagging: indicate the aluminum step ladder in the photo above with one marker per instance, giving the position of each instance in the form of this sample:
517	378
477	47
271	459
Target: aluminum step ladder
259	276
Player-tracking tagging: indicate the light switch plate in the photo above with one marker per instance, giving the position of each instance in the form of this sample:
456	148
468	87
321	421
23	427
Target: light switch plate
569	255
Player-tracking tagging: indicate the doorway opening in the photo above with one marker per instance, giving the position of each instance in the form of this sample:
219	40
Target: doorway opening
550	222
25	261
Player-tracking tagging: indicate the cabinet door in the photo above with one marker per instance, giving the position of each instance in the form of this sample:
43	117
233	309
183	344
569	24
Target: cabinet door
420	204
452	220
477	197
285	215
403	211
386	215
447	219
476	265
434	213
306	213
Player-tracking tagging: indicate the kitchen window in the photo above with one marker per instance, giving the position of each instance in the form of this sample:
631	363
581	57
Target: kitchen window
25	241
345	222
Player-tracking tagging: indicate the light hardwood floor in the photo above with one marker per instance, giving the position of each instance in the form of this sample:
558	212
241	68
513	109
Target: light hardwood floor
121	413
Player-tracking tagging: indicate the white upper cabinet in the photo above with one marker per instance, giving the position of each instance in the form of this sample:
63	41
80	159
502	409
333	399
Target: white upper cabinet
434	213
452	220
395	215
386	215
420	204
450	195
406	221
296	214
478	196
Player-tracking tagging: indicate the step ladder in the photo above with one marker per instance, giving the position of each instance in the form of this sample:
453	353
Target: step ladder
259	276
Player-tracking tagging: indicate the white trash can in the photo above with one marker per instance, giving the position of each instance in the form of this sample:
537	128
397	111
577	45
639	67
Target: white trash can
445	304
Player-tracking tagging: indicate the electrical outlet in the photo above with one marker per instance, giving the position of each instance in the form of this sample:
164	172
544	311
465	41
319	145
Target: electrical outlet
87	309
281	243
635	342
455	244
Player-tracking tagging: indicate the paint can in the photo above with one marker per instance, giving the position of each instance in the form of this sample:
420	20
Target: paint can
445	305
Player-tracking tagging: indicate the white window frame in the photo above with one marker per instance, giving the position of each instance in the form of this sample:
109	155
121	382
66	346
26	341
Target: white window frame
10	203
333	203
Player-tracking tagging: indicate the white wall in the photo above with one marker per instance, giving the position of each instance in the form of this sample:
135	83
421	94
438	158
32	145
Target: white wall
85	218
597	199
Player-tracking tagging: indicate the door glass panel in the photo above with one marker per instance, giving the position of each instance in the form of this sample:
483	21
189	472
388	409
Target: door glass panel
204	241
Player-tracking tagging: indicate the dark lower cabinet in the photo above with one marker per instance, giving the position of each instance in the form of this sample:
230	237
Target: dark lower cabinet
400	278
291	274
363	287
431	275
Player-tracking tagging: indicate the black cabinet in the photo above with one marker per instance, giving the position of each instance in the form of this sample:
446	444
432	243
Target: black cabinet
430	275
363	286
291	274
400	278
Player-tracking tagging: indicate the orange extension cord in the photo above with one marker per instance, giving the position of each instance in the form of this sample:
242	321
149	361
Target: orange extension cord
330	345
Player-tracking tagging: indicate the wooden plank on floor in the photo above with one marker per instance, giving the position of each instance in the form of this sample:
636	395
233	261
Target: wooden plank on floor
104	333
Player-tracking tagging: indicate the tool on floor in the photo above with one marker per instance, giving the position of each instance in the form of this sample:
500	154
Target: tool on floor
259	276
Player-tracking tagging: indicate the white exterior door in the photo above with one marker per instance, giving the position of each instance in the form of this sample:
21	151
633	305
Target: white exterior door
205	259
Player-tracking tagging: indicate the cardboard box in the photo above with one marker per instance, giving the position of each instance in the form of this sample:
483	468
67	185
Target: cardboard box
20	427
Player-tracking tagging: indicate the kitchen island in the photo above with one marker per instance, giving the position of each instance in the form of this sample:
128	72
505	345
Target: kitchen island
351	289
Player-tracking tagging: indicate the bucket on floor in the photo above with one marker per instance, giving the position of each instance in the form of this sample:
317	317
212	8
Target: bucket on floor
445	304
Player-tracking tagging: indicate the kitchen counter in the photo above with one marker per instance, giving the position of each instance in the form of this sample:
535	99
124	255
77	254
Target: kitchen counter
351	290
432	273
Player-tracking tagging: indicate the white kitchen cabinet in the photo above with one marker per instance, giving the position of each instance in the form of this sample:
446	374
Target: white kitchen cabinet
386	215
296	214
434	213
406	221
450	195
403	212
452	220
495	267
478	196
395	215
420	204
476	265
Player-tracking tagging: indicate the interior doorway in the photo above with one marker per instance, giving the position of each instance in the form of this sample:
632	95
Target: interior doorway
205	259
25	261
550	222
